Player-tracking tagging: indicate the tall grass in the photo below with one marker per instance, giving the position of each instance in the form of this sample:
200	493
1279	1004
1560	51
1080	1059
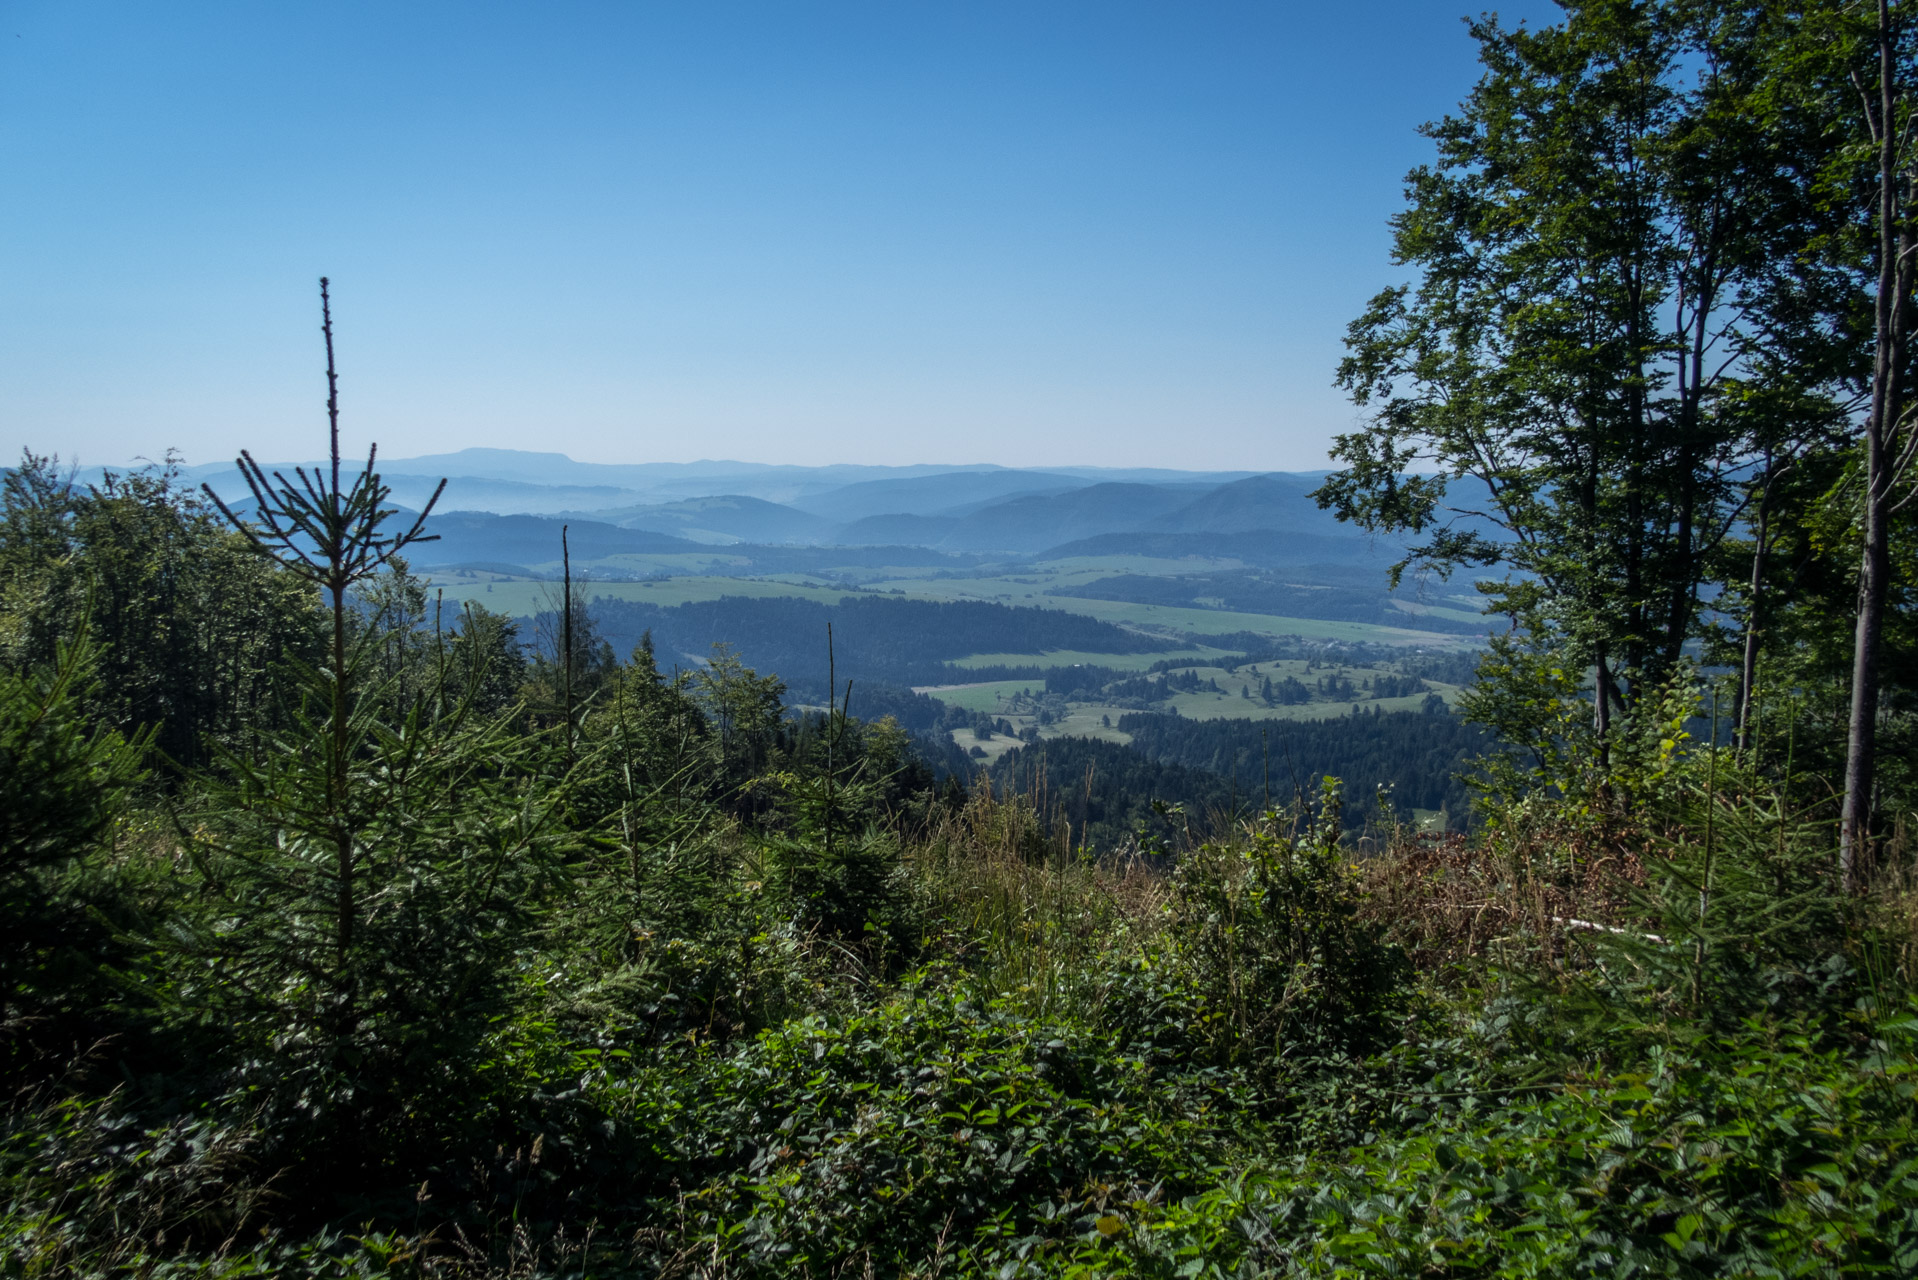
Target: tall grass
1031	921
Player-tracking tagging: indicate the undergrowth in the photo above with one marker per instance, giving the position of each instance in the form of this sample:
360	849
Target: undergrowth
1531	1056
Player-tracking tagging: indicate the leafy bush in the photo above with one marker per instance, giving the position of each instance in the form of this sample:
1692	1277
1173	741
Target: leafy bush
1281	965
1751	1154
929	1126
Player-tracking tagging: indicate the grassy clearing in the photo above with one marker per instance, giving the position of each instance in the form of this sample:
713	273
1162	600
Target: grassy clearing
1083	721
684	562
988	695
1105	566
1239	695
1422	609
1230	706
1218	622
1089	720
1017	584
990	747
1237	700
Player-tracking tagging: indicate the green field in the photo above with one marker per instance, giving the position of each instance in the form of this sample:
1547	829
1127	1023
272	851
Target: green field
989	696
1215	706
1232	704
1089	721
1238	697
701	576
990	748
1425	609
1033	581
1219	622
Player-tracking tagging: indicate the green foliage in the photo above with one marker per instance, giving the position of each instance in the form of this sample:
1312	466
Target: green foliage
1758	1153
484	660
929	1126
64	785
188	624
1417	755
1283	971
62	781
745	710
114	1193
362	1012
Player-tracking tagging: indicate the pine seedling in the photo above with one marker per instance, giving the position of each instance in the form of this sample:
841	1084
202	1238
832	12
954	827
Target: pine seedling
368	875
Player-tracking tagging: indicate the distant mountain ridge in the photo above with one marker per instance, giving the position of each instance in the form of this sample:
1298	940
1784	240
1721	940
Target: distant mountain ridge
472	536
723	518
951	493
969	510
1257	503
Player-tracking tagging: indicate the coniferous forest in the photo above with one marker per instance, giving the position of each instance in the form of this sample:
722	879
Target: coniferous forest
345	933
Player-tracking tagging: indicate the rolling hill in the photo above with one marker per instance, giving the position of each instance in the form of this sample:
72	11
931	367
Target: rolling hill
1255	504
722	518
470	537
952	493
1030	524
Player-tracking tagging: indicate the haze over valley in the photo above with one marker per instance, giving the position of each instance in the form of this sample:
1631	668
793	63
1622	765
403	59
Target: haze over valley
987	608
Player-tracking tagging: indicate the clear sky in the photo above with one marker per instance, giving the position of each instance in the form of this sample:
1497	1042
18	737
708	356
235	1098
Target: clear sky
1031	233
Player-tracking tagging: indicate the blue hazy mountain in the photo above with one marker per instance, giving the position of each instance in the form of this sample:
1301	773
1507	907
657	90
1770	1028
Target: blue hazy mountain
1265	519
463	493
476	537
1256	503
662	481
723	518
1033	523
896	530
951	493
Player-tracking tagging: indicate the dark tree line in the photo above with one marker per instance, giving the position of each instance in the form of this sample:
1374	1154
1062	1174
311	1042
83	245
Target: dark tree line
1113	795
188	625
1419	755
877	638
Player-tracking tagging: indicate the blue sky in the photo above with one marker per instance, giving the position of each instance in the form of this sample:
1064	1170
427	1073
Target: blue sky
1026	233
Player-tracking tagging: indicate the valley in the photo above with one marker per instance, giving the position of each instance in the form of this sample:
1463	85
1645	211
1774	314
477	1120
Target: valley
1221	560
1017	624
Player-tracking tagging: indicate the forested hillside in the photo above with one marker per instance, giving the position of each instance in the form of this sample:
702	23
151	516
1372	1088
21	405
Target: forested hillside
1414	755
349	928
879	639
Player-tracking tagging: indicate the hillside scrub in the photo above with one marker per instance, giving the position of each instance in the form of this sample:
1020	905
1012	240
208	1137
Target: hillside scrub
675	984
1273	1059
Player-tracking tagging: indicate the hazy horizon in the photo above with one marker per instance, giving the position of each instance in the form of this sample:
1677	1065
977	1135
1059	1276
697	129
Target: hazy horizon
387	458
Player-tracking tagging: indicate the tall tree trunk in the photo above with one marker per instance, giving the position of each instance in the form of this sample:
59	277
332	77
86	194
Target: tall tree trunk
1748	667
1862	737
337	738
1881	427
1602	702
